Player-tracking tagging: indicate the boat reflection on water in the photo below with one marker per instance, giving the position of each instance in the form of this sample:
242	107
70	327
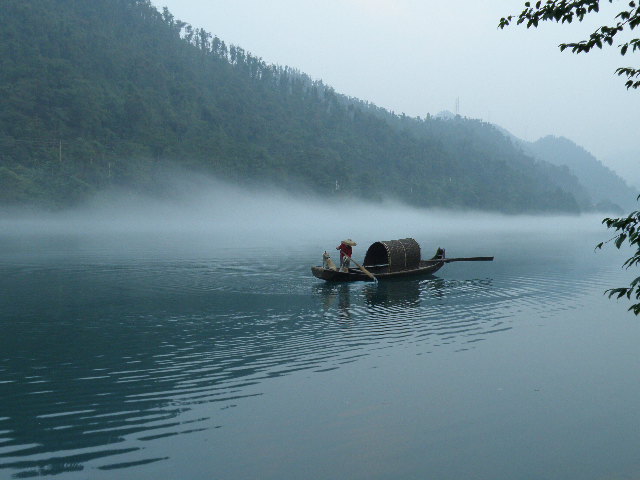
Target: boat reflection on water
396	293
427	313
434	298
336	295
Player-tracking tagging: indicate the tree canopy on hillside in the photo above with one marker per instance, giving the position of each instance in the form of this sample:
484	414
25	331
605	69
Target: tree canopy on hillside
107	92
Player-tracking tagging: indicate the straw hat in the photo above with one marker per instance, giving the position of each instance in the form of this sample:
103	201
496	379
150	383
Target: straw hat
349	242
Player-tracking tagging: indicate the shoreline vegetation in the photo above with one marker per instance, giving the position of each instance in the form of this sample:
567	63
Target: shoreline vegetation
114	93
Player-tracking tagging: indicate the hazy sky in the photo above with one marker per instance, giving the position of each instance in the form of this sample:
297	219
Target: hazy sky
418	56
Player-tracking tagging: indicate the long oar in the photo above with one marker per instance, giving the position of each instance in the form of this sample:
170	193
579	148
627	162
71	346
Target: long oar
461	259
364	270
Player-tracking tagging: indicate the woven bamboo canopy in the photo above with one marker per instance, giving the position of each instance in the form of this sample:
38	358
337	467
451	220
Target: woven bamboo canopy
398	255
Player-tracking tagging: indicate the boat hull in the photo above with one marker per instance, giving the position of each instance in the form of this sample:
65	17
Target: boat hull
426	267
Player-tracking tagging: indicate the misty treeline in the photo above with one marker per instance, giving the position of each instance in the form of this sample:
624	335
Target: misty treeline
110	92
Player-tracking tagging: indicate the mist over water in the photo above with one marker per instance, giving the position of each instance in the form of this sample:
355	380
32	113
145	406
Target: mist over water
205	208
185	337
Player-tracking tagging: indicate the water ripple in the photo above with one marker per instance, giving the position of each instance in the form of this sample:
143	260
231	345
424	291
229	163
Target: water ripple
119	355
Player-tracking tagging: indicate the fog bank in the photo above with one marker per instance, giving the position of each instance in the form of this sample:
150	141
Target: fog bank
233	216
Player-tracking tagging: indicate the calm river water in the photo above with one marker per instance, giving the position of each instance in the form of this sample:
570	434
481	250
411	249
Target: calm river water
169	356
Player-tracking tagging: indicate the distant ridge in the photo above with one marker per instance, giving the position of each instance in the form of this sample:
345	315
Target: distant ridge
594	185
605	187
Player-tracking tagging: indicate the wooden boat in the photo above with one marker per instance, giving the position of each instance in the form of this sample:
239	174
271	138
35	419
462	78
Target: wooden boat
392	259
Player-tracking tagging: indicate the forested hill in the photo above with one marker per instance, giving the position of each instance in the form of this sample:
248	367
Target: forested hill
108	92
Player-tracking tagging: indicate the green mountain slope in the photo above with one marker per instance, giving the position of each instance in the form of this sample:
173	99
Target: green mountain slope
108	92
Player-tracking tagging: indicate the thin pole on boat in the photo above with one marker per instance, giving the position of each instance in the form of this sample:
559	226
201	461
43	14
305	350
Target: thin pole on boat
364	270
462	259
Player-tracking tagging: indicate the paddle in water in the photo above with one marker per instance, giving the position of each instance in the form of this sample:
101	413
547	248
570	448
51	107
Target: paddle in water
364	270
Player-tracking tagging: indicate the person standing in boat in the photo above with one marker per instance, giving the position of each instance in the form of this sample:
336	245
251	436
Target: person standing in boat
346	250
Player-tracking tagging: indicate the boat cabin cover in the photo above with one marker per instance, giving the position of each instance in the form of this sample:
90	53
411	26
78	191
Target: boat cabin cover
396	255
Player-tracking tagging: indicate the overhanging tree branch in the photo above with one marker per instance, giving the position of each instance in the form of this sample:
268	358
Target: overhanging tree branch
563	11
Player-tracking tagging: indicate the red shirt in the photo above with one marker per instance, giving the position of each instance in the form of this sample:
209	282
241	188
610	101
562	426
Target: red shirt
344	250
